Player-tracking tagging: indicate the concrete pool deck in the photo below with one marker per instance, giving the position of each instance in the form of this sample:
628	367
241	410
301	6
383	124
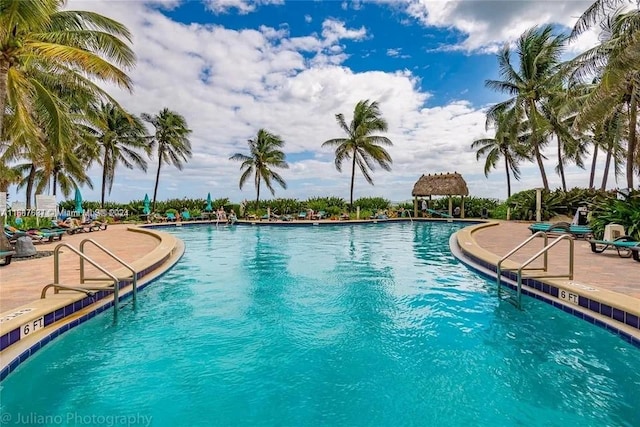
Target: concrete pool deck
23	280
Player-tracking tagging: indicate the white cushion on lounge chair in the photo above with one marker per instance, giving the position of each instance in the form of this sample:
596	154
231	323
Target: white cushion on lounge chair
613	231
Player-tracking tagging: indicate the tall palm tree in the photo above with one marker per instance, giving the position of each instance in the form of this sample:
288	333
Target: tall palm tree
539	54
264	154
120	138
504	144
171	139
559	110
616	60
40	43
360	146
610	138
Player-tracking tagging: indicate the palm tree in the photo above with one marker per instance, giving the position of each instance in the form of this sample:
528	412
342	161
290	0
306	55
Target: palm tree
505	144
610	136
616	61
41	44
120	137
360	146
171	139
559	110
539	54
264	154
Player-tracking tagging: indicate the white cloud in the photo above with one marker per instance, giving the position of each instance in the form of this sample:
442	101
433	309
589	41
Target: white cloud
486	25
292	86
241	6
334	30
308	19
397	53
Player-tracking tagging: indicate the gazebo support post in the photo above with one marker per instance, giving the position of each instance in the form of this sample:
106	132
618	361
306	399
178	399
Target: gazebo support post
462	208
415	206
450	206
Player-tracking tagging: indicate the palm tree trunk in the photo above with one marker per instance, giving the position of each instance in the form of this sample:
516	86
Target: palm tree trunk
30	180
155	188
633	136
536	146
104	176
4	73
592	176
606	171
545	183
506	167
55	181
258	193
560	165
353	178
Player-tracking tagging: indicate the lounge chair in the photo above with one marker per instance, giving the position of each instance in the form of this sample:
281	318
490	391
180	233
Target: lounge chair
626	246
13	236
302	215
320	215
6	256
186	216
577	231
170	216
434	212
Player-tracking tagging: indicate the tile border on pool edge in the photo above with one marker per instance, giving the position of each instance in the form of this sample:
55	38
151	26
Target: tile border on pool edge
585	304
59	315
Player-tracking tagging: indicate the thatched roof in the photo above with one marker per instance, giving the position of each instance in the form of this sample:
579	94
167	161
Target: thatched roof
447	184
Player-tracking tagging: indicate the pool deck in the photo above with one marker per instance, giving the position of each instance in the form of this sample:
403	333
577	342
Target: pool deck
605	271
23	280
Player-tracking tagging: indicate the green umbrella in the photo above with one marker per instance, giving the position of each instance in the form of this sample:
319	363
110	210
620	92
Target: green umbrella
147	208
209	206
78	200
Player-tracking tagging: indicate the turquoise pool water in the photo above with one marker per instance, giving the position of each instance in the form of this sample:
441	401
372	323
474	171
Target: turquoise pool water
344	325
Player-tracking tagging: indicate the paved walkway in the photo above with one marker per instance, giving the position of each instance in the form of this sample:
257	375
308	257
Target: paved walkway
603	271
22	281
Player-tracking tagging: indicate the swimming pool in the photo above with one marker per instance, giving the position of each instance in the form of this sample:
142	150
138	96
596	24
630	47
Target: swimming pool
338	325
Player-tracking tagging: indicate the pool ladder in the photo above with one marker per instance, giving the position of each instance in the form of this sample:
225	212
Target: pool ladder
113	281
517	300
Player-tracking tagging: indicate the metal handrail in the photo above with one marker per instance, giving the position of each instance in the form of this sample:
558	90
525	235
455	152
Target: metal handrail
544	251
516	249
87	291
56	272
134	274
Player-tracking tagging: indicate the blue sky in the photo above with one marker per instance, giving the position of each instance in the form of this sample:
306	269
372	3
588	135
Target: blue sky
232	67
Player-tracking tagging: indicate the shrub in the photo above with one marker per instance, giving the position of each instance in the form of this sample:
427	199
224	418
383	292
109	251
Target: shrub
624	212
371	204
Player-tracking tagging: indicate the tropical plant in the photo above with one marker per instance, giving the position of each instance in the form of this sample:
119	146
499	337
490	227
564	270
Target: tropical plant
504	144
170	140
616	60
46	51
613	211
539	53
372	203
360	146
119	138
264	154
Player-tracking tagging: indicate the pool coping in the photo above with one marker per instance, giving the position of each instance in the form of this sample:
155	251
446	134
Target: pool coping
617	313
61	312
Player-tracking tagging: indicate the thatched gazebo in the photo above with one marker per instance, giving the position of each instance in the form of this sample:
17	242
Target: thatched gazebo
447	184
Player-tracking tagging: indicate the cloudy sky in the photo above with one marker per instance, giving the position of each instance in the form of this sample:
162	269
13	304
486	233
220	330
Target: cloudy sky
232	67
